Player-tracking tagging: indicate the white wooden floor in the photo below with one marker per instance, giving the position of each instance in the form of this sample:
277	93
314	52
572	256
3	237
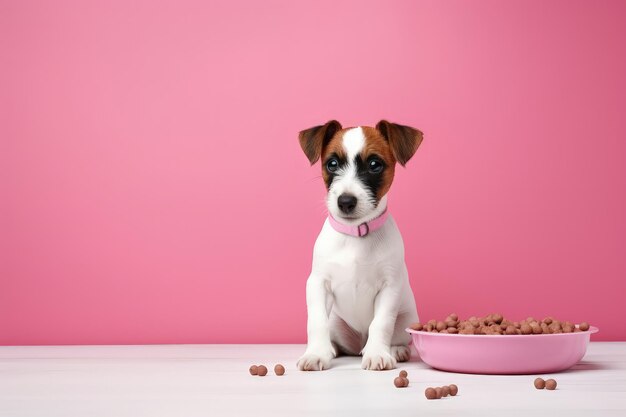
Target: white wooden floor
213	380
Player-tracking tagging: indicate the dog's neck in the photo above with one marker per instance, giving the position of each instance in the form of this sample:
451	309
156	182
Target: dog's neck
364	226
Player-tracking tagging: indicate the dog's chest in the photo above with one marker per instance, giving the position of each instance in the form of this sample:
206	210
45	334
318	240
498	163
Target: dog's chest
355	271
353	268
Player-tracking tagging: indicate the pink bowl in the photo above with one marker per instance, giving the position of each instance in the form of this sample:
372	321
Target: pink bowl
501	354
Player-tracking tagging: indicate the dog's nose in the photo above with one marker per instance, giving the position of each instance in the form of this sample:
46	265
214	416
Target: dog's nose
346	203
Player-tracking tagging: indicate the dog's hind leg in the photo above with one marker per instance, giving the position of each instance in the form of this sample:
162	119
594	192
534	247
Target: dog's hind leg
400	341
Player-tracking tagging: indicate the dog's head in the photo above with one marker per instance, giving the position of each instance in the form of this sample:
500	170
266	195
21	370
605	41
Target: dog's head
358	163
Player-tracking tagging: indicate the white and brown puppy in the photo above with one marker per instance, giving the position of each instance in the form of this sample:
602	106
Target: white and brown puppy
358	295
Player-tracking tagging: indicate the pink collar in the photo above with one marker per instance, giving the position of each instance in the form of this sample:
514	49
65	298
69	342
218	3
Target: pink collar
361	230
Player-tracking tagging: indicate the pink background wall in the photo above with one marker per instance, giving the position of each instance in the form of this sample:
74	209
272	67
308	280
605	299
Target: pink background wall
153	190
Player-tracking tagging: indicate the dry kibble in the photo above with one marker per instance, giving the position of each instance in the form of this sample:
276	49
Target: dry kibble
439	392
536	328
417	326
279	370
497	324
526	329
451	323
404	373
254	370
540	383
261	370
430	393
445	391
453	389
401	382
551	384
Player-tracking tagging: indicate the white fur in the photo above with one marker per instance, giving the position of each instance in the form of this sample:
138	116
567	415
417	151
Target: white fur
358	295
353	142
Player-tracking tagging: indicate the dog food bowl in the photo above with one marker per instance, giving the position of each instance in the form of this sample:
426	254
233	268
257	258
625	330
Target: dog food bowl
501	354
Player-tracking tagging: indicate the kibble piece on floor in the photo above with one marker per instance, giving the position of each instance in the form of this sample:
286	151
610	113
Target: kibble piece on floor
279	370
453	389
253	370
445	391
439	392
540	383
401	382
551	384
261	370
430	393
404	373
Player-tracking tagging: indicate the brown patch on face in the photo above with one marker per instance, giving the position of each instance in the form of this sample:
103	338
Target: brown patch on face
334	146
377	145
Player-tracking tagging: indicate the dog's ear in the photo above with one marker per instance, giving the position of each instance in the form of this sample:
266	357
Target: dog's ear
403	140
314	139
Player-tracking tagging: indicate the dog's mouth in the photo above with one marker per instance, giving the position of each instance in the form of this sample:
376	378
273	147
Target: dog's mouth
349	218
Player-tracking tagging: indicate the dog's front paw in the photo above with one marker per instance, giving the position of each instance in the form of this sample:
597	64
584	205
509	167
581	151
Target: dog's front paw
312	362
315	361
377	359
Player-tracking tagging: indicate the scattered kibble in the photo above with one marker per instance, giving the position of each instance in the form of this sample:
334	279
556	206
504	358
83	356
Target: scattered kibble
551	384
279	370
440	392
430	393
400	382
261	370
404	373
254	370
540	383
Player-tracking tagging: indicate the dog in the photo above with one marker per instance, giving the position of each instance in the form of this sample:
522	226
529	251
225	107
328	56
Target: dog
359	299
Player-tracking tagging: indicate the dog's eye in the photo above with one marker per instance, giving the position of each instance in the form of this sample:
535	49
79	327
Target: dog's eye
332	165
375	166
